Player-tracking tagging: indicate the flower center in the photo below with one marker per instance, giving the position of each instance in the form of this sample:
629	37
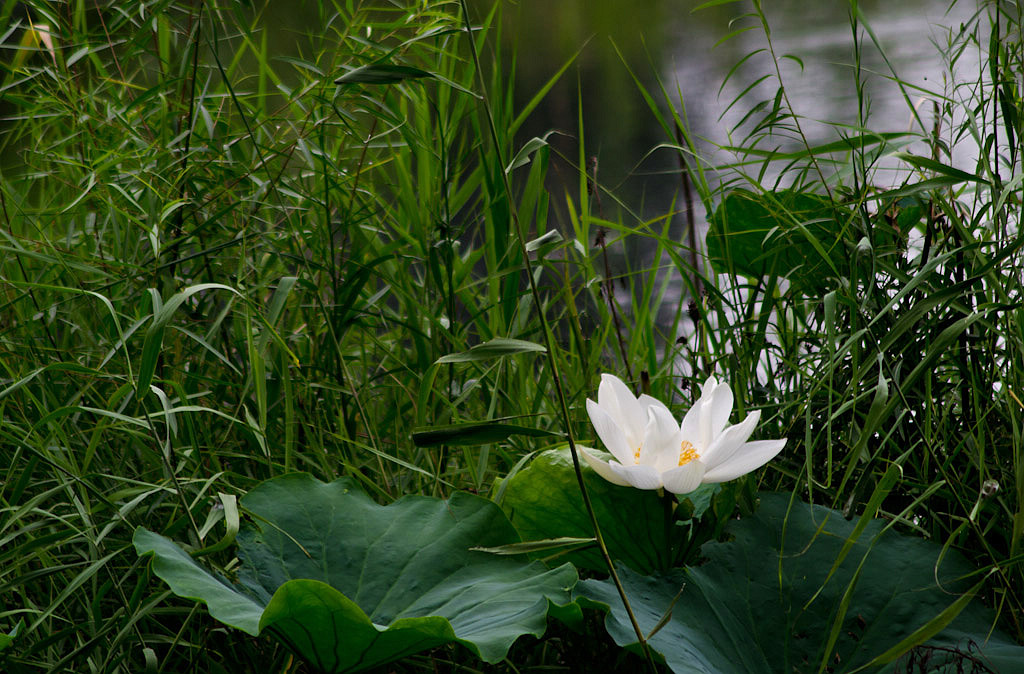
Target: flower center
687	453
636	455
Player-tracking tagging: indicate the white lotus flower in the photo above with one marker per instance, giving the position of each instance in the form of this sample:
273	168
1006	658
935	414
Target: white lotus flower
652	451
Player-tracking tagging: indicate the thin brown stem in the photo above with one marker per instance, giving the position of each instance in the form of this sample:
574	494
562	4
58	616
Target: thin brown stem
608	288
691	225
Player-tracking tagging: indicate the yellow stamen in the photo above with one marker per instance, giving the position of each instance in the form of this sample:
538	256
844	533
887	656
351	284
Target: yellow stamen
636	455
687	453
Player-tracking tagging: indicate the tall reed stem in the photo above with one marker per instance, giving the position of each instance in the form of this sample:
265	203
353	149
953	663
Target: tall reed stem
549	343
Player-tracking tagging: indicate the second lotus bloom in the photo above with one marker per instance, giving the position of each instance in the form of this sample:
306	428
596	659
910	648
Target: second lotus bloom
652	451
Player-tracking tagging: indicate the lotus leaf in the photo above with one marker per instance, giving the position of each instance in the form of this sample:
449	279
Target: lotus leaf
543	501
790	233
349	584
764	602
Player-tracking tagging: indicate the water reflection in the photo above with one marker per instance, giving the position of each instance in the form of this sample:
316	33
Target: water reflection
822	87
661	41
686	52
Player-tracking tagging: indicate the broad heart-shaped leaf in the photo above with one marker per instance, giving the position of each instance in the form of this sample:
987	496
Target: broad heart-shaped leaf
793	234
751	608
190	580
349	584
543	501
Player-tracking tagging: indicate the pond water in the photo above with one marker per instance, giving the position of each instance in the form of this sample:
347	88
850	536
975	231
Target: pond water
671	42
685	51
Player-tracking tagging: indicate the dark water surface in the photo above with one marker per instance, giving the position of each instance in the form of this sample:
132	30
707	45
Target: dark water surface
686	51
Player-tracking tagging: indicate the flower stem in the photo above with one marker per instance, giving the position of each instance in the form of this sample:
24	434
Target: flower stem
668	502
549	343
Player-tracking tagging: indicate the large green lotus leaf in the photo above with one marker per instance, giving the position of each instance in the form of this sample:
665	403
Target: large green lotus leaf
350	584
761	603
792	233
543	501
335	635
190	580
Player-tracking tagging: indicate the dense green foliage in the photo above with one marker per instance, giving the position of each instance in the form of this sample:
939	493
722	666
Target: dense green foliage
737	613
217	266
349	584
